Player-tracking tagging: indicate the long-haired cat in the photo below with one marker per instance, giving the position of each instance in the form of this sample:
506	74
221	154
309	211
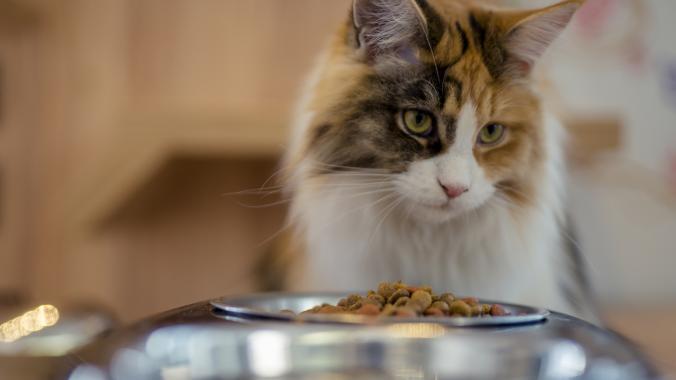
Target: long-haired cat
423	153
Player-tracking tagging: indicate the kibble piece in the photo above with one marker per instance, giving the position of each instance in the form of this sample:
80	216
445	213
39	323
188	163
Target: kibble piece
447	297
378	298
370	301
415	305
353	299
441	305
398	294
369	309
461	308
423	298
355	306
386	289
498	311
330	309
471	301
476	310
401	301
485	309
388	310
413	289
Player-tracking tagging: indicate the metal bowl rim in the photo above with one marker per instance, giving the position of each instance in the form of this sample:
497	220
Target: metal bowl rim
233	305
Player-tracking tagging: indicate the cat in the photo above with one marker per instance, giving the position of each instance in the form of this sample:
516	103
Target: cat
424	153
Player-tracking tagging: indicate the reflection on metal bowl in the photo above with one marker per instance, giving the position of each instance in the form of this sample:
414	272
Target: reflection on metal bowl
34	340
196	342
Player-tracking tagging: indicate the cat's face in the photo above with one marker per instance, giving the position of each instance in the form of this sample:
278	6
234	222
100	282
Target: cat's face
447	118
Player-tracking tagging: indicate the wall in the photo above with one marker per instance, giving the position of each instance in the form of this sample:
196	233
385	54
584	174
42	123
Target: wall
618	59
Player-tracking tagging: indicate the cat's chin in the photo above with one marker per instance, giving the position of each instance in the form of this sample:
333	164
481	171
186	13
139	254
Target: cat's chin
436	214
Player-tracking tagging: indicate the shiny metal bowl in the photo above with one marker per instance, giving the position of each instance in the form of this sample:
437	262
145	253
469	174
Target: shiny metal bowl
201	341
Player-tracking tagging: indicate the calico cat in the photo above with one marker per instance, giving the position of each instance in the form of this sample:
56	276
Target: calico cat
423	153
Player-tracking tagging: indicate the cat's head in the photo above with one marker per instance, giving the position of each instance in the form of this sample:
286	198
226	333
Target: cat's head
432	100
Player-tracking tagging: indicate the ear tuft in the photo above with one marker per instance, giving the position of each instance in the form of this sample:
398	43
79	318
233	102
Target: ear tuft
387	26
532	35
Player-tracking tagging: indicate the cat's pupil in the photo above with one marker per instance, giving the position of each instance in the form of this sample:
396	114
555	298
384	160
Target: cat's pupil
491	129
419	118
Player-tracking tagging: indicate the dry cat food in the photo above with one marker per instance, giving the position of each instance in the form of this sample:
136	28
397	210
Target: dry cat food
401	300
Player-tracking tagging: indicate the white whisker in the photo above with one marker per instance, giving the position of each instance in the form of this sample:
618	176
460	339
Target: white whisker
355	209
387	212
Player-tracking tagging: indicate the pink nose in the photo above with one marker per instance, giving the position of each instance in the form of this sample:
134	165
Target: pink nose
454	191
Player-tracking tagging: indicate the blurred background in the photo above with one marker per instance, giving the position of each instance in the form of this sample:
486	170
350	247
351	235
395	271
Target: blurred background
123	124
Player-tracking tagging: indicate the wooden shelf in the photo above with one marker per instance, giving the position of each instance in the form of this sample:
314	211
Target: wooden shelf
153	139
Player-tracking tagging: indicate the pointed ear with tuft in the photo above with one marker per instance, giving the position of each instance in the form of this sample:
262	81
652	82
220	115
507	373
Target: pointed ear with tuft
531	33
388	29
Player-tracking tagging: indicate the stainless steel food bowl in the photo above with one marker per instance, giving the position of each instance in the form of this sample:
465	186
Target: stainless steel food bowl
205	342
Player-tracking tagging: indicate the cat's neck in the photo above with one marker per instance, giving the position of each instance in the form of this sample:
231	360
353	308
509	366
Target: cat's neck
472	254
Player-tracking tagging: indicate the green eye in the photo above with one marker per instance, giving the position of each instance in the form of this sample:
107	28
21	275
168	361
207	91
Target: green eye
491	134
418	122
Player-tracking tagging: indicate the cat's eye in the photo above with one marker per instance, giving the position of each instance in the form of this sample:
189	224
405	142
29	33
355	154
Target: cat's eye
491	134
418	122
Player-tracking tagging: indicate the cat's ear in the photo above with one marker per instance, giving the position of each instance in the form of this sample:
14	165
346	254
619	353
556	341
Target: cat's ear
530	33
388	28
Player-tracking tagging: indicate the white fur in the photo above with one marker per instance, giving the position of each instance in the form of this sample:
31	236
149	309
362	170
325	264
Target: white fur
472	246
